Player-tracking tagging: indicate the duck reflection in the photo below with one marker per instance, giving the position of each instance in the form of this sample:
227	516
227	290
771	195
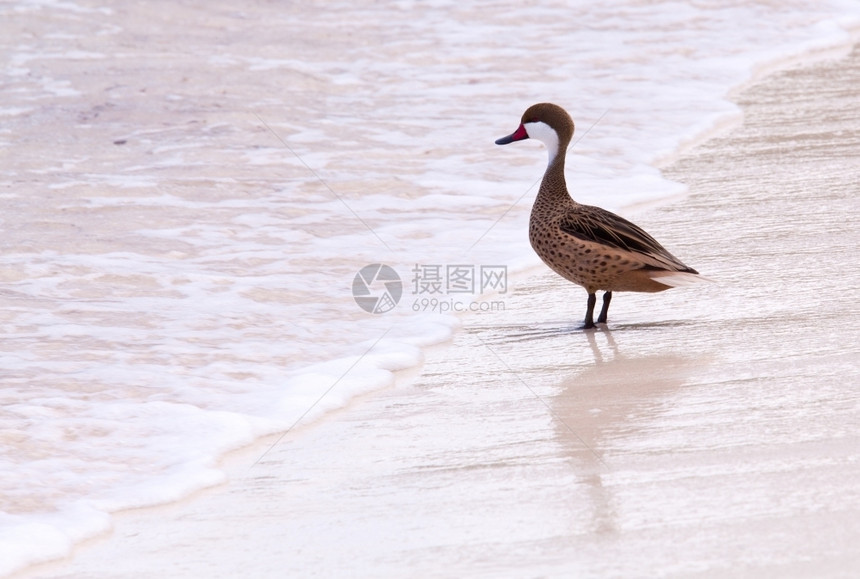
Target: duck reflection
601	407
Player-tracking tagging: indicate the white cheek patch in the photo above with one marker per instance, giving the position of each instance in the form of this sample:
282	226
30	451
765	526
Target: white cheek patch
545	134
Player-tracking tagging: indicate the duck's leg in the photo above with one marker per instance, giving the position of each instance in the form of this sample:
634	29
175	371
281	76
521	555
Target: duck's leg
607	297
589	313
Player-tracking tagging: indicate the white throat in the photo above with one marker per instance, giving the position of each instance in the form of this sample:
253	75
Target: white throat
545	134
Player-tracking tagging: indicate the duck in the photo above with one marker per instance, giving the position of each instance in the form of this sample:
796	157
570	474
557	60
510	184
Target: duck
588	245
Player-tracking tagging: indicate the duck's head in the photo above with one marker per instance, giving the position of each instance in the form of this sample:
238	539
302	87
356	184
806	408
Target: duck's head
547	123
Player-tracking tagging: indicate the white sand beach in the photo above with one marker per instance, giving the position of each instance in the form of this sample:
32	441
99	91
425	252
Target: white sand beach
709	431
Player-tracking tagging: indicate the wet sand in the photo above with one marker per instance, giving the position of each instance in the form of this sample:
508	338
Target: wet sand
707	431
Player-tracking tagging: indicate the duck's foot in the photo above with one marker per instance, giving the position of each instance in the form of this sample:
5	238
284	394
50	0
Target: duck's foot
604	311
588	323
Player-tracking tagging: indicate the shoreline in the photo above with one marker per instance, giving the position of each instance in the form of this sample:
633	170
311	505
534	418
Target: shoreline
806	58
591	444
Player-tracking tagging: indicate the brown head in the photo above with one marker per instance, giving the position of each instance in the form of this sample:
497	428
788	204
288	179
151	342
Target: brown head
546	122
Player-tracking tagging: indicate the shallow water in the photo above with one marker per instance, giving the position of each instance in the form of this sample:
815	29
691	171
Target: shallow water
188	191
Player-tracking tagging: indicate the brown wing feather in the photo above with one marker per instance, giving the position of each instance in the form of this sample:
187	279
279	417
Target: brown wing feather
601	226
